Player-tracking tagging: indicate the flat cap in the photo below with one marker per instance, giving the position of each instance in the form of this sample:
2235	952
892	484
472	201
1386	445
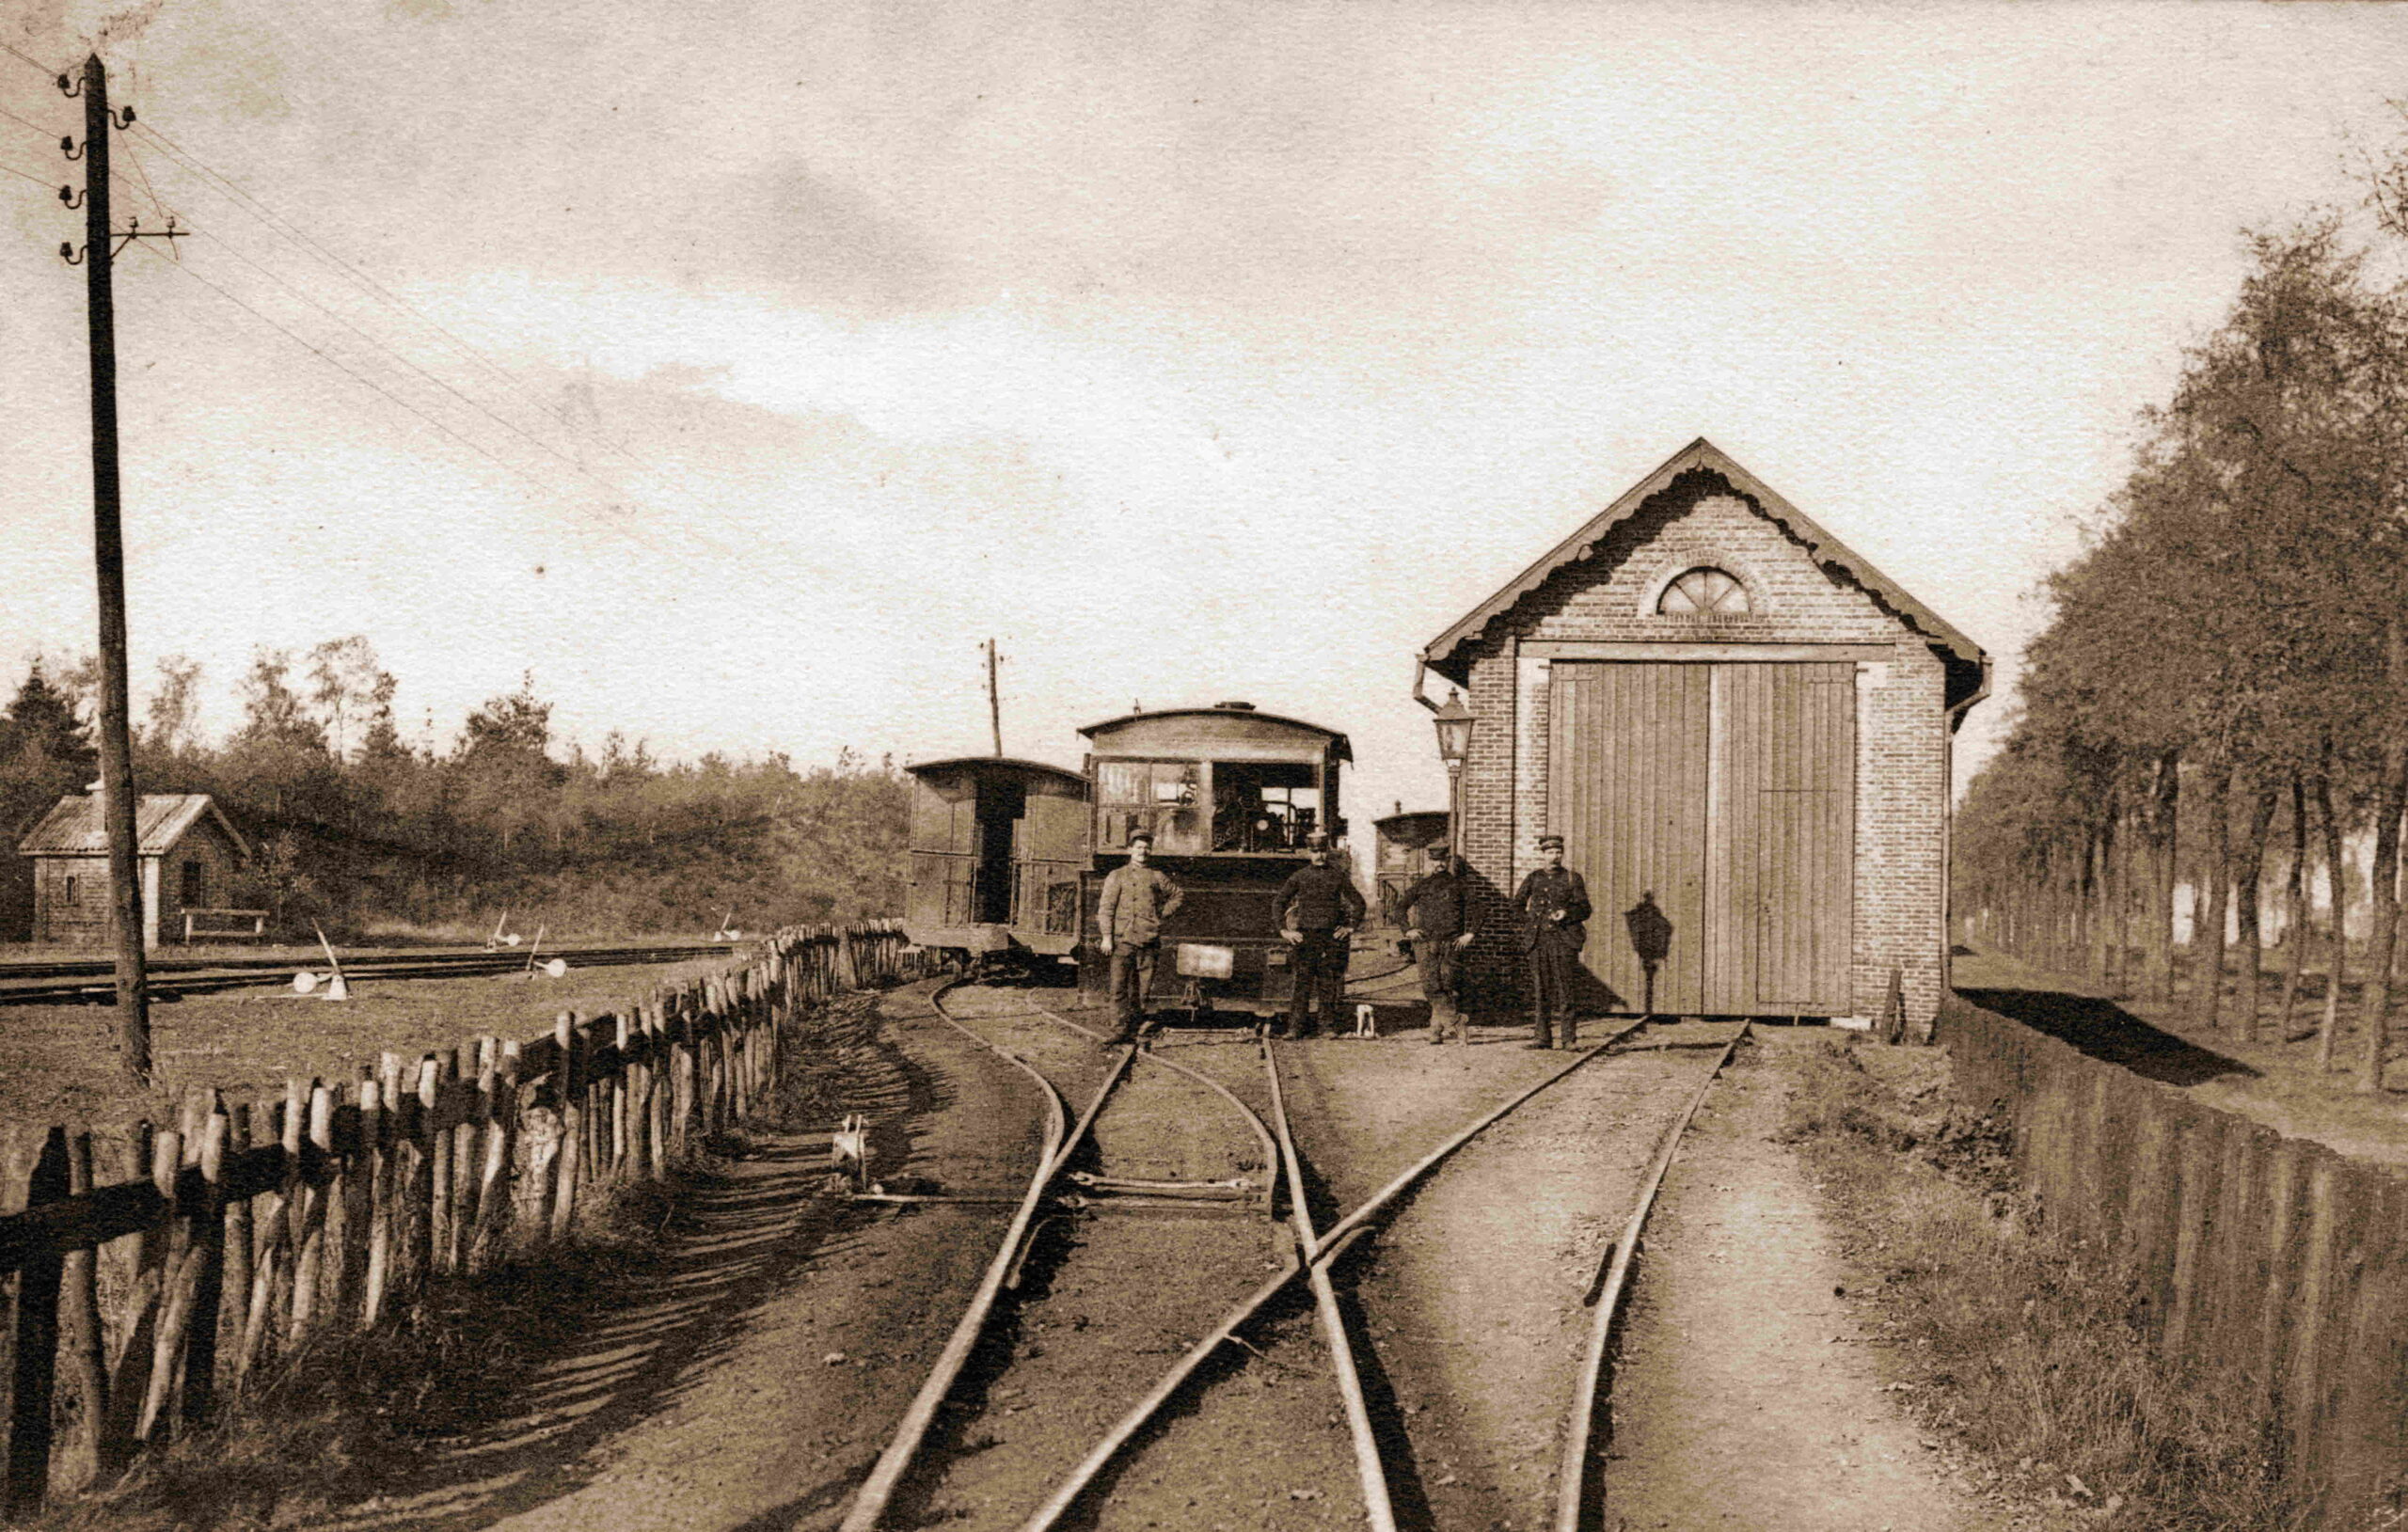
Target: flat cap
1135	836
1545	841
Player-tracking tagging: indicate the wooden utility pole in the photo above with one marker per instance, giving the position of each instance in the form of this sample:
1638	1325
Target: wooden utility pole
994	701
117	803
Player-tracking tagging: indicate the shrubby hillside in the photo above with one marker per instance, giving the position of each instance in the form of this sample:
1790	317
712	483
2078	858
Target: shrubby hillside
360	829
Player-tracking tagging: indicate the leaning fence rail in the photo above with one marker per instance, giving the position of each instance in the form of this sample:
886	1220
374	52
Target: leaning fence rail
157	1271
2256	1256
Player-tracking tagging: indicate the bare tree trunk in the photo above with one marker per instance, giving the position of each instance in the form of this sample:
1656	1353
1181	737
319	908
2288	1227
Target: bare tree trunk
2295	942
2253	872
2336	883
2165	789
2384	876
2102	904
2215	882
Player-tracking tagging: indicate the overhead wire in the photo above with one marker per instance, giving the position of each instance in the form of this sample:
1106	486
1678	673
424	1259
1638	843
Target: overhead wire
227	187
45	184
364	381
506	424
47	72
49	135
147	189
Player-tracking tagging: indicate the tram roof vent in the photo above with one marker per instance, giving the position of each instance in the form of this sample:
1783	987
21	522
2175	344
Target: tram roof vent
1233	707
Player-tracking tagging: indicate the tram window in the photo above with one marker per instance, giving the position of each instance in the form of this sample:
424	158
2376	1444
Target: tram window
1158	795
1263	805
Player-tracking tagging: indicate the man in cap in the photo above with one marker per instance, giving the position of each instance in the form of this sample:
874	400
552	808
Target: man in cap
1135	901
1554	903
1319	909
1436	913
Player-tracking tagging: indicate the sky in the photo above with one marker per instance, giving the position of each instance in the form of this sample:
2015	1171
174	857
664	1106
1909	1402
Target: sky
737	368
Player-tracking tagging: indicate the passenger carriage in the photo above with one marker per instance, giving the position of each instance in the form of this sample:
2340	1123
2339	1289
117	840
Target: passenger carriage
998	846
1230	796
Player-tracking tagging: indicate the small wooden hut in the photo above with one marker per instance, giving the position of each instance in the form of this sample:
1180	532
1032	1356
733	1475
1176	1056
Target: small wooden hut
190	854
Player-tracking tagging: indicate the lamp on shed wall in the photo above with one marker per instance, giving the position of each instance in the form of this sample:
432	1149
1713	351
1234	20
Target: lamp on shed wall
1455	724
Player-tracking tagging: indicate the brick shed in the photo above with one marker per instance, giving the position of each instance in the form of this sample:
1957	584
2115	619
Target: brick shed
189	856
1729	715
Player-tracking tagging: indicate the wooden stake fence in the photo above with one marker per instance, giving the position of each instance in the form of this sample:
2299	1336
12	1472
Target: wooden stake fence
248	1231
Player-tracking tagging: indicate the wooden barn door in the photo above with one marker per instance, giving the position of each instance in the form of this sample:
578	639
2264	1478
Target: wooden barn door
1780	869
1628	790
1728	792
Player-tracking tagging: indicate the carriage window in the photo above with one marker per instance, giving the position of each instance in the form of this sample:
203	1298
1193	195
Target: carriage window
1163	797
1264	805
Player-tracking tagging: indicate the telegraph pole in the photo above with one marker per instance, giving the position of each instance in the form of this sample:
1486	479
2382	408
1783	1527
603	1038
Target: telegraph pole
117	803
994	701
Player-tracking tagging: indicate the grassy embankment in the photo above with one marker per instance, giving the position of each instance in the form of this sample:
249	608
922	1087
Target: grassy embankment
2025	1348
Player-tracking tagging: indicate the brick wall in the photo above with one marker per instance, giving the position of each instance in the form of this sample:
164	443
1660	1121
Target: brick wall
1610	596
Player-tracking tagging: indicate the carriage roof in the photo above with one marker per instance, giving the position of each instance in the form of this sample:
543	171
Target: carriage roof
1006	766
1206	725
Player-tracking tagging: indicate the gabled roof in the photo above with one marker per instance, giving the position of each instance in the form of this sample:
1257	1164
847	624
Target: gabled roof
73	827
1967	666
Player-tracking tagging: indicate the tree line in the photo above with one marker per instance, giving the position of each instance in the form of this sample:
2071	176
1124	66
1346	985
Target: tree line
355	827
2219	701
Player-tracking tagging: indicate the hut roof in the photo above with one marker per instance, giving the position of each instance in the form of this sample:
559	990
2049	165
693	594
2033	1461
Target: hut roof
73	826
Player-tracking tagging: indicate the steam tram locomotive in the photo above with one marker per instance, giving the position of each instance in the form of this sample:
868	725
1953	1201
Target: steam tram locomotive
1230	796
1009	856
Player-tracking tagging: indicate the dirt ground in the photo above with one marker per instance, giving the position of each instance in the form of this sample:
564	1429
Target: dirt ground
755	1389
1746	1394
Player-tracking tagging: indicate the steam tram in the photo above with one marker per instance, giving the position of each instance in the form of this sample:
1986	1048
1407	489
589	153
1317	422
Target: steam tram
1230	796
998	848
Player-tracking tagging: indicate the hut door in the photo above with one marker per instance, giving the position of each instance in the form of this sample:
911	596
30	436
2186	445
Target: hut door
1714	804
1779	879
1628	789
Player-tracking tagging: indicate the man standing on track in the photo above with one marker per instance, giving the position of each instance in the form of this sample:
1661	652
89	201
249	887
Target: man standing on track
1135	901
1436	913
1319	909
1554	901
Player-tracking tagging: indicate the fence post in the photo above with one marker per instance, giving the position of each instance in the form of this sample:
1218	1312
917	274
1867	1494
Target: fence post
311	1241
438	1070
461	1083
34	1377
80	1317
236	1307
563	1210
166	1165
209	1272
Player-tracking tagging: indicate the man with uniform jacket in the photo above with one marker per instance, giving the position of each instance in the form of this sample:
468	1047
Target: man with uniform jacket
1436	913
1135	901
1319	909
1554	901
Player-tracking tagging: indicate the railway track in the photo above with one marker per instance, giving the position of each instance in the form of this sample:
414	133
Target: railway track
73	982
1025	1371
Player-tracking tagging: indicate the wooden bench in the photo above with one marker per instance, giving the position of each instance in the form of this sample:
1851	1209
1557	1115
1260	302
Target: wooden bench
225	925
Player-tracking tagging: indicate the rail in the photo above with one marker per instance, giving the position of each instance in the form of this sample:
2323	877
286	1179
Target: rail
1572	1479
247	1230
1317	1253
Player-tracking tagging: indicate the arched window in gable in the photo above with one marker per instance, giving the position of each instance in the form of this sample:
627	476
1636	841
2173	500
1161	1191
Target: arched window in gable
1703	592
